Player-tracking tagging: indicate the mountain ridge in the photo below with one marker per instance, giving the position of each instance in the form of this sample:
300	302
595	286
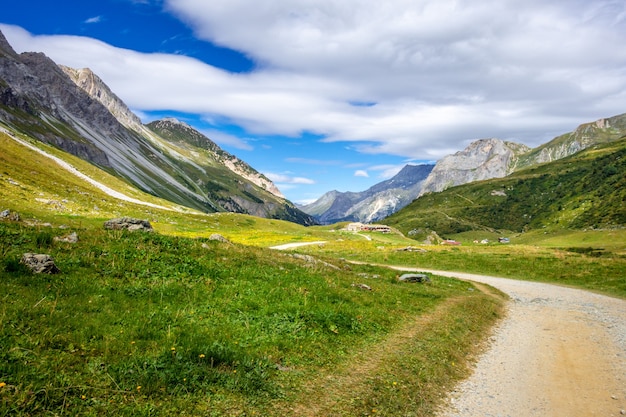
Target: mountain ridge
585	190
482	159
75	111
373	204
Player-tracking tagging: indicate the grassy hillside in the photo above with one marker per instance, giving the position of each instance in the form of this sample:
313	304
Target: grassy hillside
137	323
174	323
586	190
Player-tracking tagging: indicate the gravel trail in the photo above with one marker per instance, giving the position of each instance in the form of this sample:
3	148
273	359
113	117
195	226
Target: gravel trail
559	352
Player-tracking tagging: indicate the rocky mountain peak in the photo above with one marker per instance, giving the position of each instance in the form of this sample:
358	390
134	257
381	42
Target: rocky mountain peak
175	130
373	204
175	121
93	85
480	160
5	46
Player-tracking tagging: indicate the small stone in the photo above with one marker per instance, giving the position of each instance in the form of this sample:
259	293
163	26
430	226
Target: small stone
362	287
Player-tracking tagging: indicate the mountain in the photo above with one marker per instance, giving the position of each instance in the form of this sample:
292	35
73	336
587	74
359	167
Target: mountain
75	111
482	159
375	203
588	134
583	190
494	158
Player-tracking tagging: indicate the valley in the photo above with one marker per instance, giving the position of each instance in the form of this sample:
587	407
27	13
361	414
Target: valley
238	303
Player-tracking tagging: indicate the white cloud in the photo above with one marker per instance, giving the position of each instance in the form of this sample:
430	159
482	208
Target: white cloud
435	74
96	19
361	173
287	179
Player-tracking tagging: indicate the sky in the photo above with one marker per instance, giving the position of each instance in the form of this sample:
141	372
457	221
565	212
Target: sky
324	95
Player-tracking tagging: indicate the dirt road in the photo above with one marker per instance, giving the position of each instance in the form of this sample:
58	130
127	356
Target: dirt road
559	352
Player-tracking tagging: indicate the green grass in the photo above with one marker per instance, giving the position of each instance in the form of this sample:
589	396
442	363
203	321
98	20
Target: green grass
594	260
150	324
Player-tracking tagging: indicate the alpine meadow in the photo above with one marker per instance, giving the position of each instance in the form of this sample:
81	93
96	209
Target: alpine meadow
175	279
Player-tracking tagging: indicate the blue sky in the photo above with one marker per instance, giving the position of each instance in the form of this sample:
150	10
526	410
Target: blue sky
322	95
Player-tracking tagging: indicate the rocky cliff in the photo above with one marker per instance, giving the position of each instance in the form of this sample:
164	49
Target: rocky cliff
482	159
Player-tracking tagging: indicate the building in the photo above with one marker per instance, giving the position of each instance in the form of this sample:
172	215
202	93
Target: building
360	227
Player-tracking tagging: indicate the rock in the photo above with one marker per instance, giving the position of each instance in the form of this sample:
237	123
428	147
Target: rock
71	238
128	223
362	287
411	249
219	238
414	278
10	215
40	263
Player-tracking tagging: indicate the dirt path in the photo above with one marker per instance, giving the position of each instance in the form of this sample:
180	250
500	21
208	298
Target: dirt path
559	352
72	170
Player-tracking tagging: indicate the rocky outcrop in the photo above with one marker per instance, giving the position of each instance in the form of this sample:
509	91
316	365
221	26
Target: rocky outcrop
70	238
98	90
39	263
128	223
10	215
482	159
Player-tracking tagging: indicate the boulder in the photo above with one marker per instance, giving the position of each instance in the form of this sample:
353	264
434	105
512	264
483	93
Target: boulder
128	223
10	215
219	238
39	263
71	238
414	278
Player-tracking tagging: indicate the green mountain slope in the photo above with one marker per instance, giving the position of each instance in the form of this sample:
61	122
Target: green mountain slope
588	134
585	190
75	111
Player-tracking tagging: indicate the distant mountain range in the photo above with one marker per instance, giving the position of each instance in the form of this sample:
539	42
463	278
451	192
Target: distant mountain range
481	160
586	190
373	204
75	111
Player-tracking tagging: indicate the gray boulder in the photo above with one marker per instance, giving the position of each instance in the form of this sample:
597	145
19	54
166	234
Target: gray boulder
414	278
128	223
71	238
219	238
10	215
40	263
